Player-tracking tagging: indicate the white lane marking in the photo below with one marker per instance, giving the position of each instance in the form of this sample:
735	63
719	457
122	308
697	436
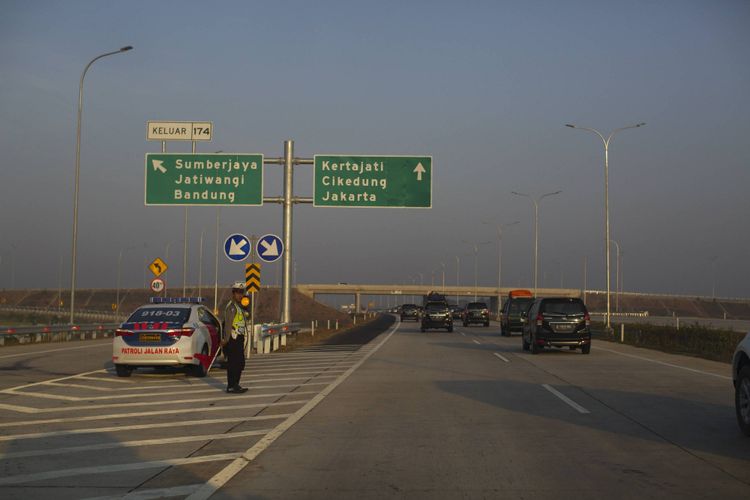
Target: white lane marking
10	390
103	344
32	410
231	470
106	469
173	492
566	399
723	377
501	357
123	428
477	342
462	334
150	413
60	397
131	444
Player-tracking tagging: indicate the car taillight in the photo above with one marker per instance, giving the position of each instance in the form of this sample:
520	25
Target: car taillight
539	320
181	332
587	319
120	332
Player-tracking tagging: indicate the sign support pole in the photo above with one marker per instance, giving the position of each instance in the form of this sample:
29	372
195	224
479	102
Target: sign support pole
286	275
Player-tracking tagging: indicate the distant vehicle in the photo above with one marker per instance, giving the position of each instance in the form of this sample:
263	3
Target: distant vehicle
476	312
434	297
410	311
741	379
437	315
168	332
556	322
456	312
510	316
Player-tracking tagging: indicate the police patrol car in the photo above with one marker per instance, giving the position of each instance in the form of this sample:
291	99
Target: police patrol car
168	332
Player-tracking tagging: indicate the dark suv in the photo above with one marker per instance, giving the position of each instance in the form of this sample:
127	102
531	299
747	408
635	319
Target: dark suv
556	322
510	317
437	315
476	312
410	311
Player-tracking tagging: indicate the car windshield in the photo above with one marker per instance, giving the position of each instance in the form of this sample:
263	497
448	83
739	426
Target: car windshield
170	314
477	305
564	307
518	305
436	307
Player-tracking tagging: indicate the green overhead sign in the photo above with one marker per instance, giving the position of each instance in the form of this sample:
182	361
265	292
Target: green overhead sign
204	179
372	181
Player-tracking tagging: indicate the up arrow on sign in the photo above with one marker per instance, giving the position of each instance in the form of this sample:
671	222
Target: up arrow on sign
419	170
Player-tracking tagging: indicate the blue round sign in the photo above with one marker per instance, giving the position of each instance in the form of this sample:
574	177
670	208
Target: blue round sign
237	247
270	248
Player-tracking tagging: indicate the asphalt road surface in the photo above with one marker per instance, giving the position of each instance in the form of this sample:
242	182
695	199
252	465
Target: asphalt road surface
466	414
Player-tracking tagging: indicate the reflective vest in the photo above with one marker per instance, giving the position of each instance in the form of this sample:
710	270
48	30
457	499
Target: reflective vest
238	322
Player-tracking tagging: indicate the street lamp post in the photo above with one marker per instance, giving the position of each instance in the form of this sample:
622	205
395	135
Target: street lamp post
606	198
536	202
499	228
617	275
458	267
77	176
476	262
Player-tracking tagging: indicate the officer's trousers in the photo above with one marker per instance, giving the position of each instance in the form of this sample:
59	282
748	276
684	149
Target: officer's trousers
235	351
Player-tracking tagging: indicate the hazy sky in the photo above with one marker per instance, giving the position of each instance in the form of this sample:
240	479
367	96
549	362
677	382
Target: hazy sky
483	87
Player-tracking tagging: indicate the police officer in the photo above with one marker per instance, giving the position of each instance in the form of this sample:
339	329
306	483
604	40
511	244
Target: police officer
233	338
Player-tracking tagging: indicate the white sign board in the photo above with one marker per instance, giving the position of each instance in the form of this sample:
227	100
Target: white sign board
179	131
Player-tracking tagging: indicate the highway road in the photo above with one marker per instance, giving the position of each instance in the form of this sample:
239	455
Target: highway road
466	414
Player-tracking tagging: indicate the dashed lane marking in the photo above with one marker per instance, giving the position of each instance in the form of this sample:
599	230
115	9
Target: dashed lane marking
477	342
501	357
566	399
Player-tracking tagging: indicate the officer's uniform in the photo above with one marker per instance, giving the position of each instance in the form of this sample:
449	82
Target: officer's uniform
234	333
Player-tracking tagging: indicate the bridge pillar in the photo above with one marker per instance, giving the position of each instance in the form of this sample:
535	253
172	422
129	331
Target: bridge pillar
357	300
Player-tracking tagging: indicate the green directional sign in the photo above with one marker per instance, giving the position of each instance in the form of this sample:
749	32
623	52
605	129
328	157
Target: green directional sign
204	179
373	181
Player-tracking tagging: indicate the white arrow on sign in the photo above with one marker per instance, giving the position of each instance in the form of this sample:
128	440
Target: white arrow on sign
236	248
158	165
419	170
270	249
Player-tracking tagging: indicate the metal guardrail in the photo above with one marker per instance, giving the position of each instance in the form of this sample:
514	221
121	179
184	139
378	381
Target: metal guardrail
55	333
271	337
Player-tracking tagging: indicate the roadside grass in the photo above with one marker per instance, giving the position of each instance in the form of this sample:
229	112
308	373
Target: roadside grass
692	340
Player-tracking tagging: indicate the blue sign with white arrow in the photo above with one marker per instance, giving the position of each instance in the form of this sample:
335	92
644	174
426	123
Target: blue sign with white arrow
237	247
270	248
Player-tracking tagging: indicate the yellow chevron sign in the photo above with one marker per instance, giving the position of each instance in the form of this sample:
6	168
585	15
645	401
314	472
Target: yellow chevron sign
252	277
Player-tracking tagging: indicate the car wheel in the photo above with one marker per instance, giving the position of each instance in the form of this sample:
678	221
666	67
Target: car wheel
123	370
535	348
487	323
572	348
450	329
199	370
742	400
524	343
586	348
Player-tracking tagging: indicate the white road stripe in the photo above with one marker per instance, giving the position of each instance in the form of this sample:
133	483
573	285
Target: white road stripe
175	491
220	479
32	410
724	377
31	353
477	342
566	399
60	397
151	413
130	444
463	334
11	389
501	357
123	428
106	469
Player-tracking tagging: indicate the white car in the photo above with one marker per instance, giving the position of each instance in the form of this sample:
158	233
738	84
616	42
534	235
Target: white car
741	379
167	332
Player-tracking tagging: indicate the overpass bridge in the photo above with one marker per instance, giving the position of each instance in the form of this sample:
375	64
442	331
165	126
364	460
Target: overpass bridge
414	293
